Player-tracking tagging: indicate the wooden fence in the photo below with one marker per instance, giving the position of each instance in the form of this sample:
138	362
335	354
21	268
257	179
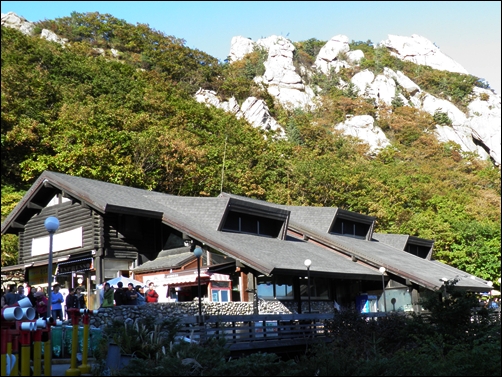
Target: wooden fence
254	332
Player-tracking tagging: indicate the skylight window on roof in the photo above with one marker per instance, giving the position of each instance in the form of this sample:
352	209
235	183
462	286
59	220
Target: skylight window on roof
251	224
350	228
418	250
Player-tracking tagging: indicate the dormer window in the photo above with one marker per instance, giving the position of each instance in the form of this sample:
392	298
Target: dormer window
245	223
252	218
420	247
351	228
352	224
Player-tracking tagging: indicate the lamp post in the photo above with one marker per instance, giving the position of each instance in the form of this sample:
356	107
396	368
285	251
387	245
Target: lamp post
307	264
198	253
382	271
51	225
444	280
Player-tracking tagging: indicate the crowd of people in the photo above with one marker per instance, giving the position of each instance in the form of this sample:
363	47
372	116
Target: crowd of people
132	295
38	299
110	297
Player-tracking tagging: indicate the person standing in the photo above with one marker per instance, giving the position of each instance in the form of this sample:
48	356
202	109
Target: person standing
102	294
151	295
141	295
10	297
69	301
79	299
132	296
107	296
119	295
41	305
31	295
21	292
56	303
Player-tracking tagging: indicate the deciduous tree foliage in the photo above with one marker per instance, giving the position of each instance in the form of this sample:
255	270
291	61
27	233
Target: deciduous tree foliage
130	118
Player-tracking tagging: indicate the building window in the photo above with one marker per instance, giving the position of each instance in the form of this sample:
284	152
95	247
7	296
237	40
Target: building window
350	228
220	291
220	295
419	251
251	224
275	288
319	288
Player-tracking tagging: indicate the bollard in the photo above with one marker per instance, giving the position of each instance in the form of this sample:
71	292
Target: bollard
3	361
48	348
15	354
47	358
9	351
85	368
37	352
10	332
25	337
74	371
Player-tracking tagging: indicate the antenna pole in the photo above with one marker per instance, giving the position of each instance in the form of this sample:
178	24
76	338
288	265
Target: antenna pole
223	166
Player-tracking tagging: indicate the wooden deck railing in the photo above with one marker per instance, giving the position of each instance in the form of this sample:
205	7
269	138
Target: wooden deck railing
246	332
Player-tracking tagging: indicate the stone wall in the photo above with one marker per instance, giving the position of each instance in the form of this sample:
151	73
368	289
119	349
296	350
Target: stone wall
105	316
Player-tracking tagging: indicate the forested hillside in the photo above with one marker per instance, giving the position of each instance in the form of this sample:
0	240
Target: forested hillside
130	117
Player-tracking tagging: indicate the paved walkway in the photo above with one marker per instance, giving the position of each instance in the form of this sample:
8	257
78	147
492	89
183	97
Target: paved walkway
60	366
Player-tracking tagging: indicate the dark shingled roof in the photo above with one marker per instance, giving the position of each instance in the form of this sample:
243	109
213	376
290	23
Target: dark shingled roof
200	218
315	222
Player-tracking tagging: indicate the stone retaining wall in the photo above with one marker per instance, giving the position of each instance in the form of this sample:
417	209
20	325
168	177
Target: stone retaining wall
105	316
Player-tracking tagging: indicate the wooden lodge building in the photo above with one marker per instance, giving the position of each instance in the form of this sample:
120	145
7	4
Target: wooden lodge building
250	246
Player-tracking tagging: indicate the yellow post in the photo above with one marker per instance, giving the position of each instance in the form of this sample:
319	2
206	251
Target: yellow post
3	361
15	352
85	368
37	353
48	356
74	371
48	346
3	364
25	353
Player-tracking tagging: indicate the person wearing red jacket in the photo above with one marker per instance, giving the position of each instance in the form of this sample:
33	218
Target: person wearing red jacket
151	295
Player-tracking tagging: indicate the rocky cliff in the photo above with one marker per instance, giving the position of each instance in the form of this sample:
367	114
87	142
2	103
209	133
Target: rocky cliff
476	130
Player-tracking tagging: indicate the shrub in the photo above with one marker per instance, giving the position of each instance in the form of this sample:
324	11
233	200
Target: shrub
484	97
143	338
442	118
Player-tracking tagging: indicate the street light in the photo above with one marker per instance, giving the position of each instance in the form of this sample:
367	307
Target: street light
198	253
307	264
382	271
51	225
444	280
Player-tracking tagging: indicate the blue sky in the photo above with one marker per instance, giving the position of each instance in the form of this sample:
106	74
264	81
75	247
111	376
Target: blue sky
467	31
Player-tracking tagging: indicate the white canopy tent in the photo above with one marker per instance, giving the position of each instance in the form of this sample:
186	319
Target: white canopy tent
124	280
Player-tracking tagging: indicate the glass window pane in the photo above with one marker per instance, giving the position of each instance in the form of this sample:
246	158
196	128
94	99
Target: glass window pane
283	291
224	296
215	296
232	222
322	287
265	290
249	224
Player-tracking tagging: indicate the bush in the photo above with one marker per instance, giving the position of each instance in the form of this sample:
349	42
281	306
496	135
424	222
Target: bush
145	338
442	118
